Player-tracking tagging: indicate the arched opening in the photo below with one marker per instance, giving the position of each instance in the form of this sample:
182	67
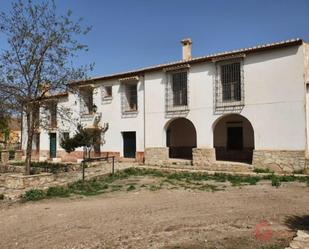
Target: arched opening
233	139
180	138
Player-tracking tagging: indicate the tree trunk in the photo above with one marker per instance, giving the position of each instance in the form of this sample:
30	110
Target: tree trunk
29	142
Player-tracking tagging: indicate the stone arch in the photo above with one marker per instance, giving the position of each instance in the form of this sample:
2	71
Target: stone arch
180	138
233	136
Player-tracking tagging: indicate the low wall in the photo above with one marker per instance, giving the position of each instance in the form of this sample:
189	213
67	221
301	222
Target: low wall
28	181
203	158
157	156
279	160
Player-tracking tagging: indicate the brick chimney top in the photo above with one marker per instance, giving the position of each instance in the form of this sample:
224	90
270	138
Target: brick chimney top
186	49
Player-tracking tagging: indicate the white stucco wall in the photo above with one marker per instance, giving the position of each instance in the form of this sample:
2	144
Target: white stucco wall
274	104
274	101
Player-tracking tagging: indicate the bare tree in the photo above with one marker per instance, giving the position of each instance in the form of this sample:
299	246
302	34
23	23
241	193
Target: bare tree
38	61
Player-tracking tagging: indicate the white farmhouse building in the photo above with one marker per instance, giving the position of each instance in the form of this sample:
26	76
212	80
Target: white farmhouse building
248	106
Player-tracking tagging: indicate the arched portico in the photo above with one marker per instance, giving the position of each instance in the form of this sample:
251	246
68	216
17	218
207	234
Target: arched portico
233	138
180	138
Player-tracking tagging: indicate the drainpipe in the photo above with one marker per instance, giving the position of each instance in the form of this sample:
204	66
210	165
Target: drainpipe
144	110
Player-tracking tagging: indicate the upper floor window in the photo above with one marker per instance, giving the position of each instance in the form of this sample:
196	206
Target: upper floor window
129	97
86	101
176	94
229	86
179	89
107	92
53	115
231	82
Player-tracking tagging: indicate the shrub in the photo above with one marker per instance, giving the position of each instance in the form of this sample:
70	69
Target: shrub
58	192
1	196
130	188
275	181
34	195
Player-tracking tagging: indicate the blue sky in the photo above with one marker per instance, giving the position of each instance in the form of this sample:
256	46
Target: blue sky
129	34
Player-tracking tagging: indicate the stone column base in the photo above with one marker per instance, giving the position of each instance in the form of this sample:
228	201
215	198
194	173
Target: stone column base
203	157
279	160
5	156
156	156
18	155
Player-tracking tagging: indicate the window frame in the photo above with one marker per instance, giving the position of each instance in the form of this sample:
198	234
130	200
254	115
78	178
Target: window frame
182	106
104	92
232	104
126	97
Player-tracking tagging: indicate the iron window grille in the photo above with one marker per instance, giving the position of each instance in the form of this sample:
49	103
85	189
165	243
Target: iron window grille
129	98
229	86
106	93
53	115
177	91
86	101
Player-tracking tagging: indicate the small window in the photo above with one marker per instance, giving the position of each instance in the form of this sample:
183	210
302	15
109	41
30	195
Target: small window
179	88
231	82
107	92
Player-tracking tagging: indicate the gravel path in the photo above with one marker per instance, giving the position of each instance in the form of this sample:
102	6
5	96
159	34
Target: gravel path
159	219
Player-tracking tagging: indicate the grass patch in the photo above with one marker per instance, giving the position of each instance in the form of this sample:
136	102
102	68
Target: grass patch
261	170
58	192
154	188
169	180
271	247
34	195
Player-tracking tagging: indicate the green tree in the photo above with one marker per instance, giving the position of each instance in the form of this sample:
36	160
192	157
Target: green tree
86	138
38	61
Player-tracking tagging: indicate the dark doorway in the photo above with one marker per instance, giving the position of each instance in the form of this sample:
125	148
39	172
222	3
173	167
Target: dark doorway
52	145
234	138
129	144
97	144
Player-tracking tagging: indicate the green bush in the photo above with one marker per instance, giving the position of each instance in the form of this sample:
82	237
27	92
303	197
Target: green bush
58	192
275	181
130	188
34	195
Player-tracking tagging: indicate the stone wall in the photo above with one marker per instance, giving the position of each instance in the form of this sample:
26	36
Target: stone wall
156	156
279	160
28	181
203	157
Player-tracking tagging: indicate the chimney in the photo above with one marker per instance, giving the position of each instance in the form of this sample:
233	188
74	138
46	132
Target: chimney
186	49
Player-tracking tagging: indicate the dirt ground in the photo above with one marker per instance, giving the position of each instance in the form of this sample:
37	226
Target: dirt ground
237	217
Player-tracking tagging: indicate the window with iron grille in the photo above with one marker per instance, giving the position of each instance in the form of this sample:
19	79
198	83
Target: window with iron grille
129	98
230	80
86	101
53	115
179	86
229	88
107	92
177	91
